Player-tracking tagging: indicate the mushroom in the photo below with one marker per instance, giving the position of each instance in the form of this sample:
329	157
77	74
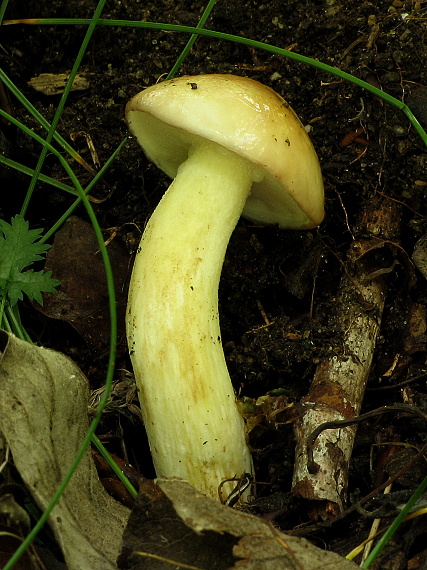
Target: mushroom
232	146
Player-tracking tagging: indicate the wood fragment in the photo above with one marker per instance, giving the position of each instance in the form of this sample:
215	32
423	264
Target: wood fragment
54	83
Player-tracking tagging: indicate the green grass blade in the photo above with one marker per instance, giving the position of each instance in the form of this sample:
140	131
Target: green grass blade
52	181
87	190
376	551
115	467
30	172
3	7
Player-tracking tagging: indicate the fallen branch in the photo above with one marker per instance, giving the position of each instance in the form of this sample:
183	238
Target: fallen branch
338	386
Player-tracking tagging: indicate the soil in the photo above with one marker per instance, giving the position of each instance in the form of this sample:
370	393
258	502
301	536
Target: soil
278	288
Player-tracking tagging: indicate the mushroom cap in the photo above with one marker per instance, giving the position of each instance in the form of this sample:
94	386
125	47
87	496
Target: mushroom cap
246	117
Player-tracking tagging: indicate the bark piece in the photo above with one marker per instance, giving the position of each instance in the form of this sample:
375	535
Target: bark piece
54	83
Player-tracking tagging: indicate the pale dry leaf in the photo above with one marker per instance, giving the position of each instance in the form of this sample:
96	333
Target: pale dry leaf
43	417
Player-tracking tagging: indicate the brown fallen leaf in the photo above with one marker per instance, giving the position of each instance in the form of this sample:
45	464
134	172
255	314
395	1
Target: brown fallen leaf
43	418
172	523
82	298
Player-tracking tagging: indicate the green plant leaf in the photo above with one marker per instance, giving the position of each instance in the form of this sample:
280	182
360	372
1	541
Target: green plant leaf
19	248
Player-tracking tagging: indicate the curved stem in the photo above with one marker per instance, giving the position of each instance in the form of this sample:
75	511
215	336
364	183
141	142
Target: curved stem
187	399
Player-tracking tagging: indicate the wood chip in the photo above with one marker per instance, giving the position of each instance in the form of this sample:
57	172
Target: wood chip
54	83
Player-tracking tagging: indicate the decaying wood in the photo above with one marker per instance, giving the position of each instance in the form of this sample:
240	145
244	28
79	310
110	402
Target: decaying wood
337	390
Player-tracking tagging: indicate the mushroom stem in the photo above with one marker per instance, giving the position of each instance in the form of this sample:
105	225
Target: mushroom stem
187	400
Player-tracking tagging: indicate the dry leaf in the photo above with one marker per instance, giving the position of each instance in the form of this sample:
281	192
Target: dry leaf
43	417
82	298
174	522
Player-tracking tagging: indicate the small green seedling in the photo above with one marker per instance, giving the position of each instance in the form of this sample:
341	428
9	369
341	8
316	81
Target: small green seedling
19	249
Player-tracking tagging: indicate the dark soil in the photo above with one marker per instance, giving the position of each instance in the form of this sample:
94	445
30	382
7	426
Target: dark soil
287	280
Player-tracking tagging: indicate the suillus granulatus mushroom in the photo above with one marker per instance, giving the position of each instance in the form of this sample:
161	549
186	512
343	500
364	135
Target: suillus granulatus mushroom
232	147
